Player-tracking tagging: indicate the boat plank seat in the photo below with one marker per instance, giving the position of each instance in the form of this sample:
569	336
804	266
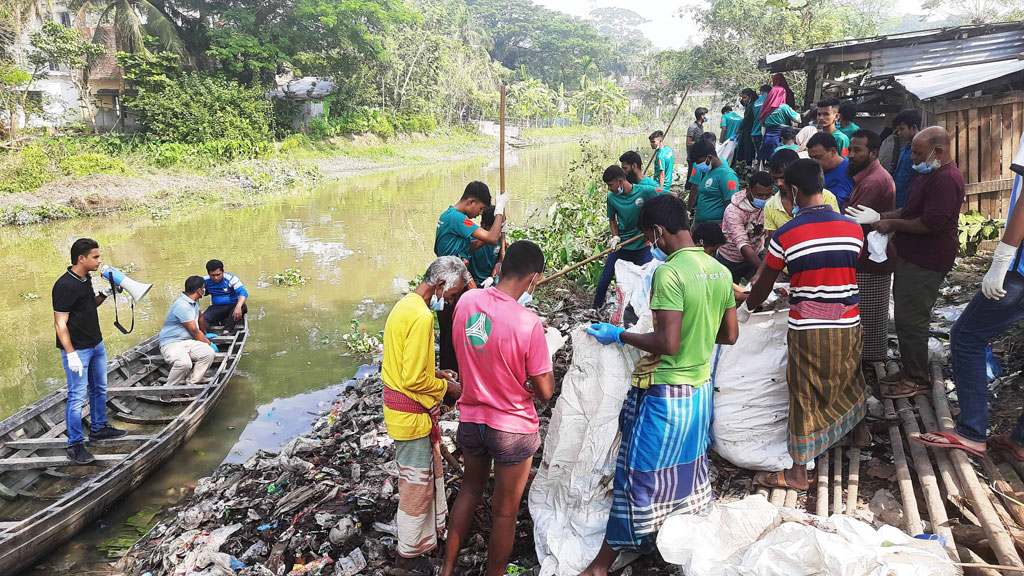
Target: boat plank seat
155	390
7	494
8	525
58	443
131	419
9	464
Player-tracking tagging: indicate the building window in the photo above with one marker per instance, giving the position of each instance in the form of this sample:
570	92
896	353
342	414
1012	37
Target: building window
64	18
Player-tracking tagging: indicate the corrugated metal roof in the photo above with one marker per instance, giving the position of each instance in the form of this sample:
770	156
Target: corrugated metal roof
934	83
960	52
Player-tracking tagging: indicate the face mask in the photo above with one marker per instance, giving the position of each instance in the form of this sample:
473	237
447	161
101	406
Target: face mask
436	304
796	209
707	165
926	166
657	252
527	297
759	203
620	189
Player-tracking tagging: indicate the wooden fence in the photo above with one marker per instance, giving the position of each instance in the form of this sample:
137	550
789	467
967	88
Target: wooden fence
985	131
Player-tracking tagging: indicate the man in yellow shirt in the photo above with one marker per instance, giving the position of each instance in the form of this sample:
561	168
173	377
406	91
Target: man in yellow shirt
413	391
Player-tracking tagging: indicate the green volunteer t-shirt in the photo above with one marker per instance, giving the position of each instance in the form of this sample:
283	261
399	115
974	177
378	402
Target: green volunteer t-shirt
842	143
697	174
849	130
625	208
715	193
786	147
454	230
482	260
650	183
731	122
781	116
700	287
663	162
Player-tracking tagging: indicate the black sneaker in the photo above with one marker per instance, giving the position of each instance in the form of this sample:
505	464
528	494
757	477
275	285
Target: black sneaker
106	432
79	455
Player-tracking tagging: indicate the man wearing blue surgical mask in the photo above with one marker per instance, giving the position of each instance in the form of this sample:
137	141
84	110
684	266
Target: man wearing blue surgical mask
925	236
624	202
743	226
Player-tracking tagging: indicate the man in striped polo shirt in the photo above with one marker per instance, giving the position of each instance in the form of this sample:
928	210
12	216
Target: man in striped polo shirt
820	247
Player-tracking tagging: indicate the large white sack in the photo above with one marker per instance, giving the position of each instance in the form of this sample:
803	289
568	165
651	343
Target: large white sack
751	537
571	495
751	398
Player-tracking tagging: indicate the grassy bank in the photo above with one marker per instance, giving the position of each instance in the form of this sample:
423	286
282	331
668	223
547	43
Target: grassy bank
60	178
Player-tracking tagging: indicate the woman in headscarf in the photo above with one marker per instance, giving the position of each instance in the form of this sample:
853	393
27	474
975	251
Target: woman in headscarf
776	112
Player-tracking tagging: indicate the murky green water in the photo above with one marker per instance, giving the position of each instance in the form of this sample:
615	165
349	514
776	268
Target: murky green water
359	240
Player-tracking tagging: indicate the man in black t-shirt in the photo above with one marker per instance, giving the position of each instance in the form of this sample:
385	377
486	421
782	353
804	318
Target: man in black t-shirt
82	351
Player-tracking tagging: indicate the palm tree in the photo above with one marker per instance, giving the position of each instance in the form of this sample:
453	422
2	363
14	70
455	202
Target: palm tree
15	17
133	21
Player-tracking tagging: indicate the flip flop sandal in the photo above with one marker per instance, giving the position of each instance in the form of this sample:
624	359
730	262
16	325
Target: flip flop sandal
422	567
951	443
778	480
1005	446
904	389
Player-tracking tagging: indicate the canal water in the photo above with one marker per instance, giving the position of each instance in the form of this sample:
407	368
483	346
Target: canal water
359	239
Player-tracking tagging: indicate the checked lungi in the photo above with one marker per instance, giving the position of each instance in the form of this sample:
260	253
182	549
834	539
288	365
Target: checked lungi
874	314
826	389
422	506
662	467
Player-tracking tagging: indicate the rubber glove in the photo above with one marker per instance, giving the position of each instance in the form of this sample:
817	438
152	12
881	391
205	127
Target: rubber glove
499	203
606	333
613	242
743	313
992	285
214	346
211	335
75	363
863	214
488	282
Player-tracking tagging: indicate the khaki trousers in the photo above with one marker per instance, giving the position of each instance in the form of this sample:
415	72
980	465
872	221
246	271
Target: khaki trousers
187	357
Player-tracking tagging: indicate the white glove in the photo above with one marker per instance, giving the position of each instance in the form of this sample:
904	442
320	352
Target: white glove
992	285
863	214
743	313
75	363
613	242
499	204
488	282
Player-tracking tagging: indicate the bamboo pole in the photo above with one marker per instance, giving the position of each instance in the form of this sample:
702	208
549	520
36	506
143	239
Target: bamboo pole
501	167
822	504
604	253
670	122
914	524
950	480
778	497
853	482
837	480
1002	488
791	498
999	539
926	476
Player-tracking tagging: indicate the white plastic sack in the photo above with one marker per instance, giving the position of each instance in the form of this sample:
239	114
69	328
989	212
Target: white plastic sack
633	287
751	537
749	427
571	495
726	150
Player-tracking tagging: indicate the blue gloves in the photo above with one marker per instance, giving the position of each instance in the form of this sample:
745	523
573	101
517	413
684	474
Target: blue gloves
606	333
211	335
214	346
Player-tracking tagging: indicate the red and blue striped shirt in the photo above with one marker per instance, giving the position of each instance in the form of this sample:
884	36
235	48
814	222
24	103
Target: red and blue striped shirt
820	247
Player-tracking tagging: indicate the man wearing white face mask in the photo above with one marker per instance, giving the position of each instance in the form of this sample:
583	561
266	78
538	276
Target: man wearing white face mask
413	390
925	237
505	364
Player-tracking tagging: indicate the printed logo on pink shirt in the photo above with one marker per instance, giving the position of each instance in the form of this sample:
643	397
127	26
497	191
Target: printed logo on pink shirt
478	330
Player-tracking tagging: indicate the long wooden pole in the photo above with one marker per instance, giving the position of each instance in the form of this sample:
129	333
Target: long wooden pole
906	484
669	127
604	253
501	165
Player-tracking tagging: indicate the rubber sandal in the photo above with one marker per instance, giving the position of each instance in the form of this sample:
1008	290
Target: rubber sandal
904	389
1005	446
778	480
951	443
422	567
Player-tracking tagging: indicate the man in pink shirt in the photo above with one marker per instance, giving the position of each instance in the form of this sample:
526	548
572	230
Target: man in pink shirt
504	363
743	225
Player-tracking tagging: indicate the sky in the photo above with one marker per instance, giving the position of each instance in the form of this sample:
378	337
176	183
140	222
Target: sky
665	29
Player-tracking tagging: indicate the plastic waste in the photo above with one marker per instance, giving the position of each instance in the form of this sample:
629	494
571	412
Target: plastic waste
352	564
993	369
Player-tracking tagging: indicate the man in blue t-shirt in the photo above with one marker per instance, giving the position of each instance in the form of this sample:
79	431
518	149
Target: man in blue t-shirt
183	342
455	233
907	124
228	296
823	148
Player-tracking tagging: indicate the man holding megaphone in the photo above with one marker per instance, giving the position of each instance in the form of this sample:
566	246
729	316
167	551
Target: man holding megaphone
83	353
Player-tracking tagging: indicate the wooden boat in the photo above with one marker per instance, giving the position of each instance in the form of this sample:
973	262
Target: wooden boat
44	500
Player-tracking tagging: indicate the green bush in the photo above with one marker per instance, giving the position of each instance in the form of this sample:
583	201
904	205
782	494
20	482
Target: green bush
196	109
24	170
319	129
86	163
296	142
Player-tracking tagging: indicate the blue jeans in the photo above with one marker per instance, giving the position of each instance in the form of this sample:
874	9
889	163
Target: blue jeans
739	270
638	257
982	321
92	382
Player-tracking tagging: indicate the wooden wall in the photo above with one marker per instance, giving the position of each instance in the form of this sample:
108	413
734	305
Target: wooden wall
985	131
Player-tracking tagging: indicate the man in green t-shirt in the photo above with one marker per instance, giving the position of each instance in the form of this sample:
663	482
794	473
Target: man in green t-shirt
455	232
665	420
663	161
483	258
717	187
633	165
623	207
847	112
828	117
730	123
